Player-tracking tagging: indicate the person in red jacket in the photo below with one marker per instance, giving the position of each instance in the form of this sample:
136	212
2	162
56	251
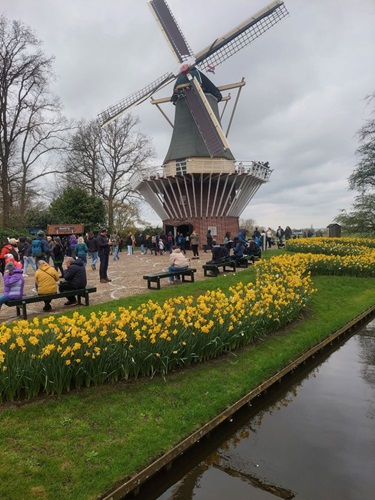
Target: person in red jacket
9	247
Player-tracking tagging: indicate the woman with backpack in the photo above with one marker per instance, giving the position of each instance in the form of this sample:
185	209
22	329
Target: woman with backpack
39	247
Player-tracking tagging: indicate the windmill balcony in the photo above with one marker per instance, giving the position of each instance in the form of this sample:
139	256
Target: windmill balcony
260	170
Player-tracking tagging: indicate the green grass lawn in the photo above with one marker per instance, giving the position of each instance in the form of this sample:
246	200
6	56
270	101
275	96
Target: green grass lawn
78	446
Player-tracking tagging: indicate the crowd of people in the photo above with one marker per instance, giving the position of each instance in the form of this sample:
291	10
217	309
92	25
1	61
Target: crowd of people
47	255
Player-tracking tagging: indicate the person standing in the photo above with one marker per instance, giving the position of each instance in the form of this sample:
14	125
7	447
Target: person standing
142	242
81	250
27	257
181	242
92	245
72	245
129	243
209	239
46	278
104	246
194	241
50	247
115	245
10	246
39	247
269	237
227	241
58	255
280	235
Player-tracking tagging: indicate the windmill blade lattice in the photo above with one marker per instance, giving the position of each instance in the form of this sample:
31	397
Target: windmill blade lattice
224	47
205	120
134	99
171	30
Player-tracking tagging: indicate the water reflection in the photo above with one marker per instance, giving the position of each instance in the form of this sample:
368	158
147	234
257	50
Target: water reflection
315	439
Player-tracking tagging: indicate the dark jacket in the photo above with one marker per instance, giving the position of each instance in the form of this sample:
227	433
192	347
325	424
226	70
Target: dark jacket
92	244
76	274
58	252
219	254
103	244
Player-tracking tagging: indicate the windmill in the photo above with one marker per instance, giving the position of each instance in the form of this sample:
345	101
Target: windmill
200	184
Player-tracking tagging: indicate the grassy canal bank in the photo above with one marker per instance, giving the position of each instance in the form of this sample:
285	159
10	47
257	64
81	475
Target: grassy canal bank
79	445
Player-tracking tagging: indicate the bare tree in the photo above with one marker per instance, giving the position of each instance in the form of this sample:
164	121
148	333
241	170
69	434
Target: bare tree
103	160
127	215
83	159
31	125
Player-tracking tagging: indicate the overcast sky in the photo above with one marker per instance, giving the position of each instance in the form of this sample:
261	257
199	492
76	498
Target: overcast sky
306	80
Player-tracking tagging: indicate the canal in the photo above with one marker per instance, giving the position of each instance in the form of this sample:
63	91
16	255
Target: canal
312	437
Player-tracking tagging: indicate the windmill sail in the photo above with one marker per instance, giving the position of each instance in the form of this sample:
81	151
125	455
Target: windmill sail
206	120
110	114
171	30
248	31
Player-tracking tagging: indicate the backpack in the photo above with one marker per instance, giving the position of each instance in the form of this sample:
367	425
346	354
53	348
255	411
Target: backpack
36	248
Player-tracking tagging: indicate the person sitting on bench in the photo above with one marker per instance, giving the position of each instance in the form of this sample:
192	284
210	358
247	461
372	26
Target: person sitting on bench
238	249
219	254
253	248
74	278
178	262
13	283
46	279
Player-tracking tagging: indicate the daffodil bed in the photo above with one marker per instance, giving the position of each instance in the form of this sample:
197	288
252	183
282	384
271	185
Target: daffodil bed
54	354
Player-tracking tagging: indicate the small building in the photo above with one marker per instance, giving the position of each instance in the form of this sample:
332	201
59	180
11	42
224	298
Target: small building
62	229
334	231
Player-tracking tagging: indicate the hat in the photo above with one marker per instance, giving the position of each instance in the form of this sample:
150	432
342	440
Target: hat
103	230
40	233
13	241
9	266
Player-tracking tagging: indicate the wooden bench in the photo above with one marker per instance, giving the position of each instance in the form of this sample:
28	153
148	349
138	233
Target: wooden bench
229	265
29	299
245	261
155	278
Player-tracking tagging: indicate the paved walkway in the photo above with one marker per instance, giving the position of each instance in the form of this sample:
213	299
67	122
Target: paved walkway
127	279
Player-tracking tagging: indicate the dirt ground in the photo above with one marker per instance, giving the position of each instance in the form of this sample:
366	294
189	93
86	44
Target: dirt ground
127	279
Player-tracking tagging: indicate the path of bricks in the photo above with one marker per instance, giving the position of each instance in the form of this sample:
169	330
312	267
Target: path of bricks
127	279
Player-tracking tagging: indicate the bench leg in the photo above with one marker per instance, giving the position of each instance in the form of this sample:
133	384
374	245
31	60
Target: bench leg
24	311
190	275
155	280
80	301
87	299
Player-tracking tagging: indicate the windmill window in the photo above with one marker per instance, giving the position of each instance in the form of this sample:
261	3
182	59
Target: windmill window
181	167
